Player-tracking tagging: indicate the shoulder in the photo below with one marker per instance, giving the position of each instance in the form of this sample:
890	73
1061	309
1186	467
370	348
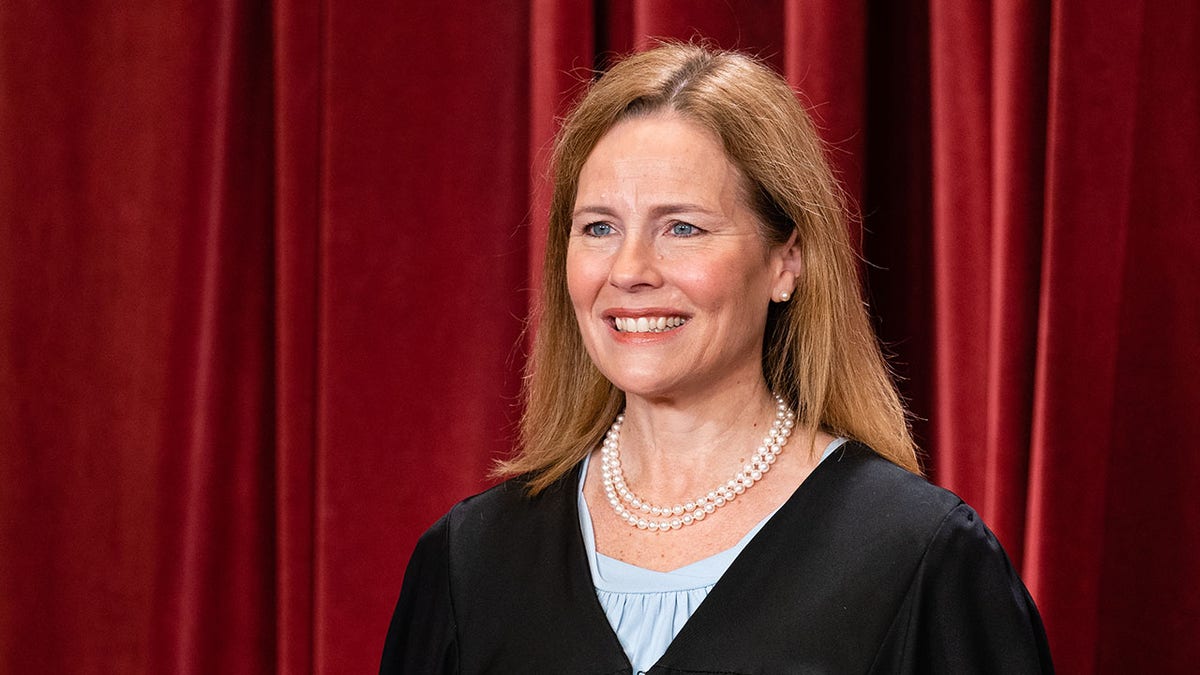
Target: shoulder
491	555
959	604
887	524
498	531
876	493
862	516
465	600
508	510
861	467
855	569
965	609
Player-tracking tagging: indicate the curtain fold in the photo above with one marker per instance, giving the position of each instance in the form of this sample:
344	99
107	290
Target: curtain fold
989	66
298	85
1095	57
961	116
215	481
1020	58
264	269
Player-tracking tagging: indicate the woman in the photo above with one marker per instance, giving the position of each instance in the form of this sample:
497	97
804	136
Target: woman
715	472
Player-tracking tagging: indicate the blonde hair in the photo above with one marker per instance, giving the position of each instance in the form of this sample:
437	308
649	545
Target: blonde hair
820	352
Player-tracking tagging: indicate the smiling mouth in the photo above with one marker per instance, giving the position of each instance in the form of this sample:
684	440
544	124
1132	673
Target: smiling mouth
647	324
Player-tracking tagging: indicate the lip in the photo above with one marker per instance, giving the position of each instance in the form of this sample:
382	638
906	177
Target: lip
609	316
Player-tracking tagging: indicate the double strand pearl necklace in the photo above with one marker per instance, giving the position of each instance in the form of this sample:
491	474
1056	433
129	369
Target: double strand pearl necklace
643	515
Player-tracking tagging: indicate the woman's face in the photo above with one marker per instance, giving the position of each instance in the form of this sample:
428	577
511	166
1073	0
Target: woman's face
668	273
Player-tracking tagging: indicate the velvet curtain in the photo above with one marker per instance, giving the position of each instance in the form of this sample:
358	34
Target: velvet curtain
263	268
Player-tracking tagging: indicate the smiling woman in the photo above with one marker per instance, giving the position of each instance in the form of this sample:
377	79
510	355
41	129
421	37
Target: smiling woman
662	235
700	309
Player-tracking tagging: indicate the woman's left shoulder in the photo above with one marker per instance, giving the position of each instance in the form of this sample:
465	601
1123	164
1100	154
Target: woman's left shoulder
869	488
964	607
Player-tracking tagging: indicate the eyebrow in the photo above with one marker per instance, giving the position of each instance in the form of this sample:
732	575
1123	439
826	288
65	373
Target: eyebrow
656	212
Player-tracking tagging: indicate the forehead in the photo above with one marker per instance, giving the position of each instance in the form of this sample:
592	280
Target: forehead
668	153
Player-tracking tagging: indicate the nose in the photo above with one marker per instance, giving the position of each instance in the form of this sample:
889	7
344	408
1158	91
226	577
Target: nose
635	265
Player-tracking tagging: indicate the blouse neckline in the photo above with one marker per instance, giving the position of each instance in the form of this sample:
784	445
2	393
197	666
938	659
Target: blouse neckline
613	575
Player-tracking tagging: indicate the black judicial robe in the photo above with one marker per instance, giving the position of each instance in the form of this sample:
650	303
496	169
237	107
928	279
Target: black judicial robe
867	568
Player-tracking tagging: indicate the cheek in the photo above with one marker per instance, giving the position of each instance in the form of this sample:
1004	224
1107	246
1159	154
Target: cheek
581	284
704	287
732	285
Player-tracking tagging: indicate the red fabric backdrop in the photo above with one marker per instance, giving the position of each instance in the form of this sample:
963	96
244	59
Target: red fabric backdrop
263	268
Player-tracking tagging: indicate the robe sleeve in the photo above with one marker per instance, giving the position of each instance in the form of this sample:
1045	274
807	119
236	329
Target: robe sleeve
966	611
422	637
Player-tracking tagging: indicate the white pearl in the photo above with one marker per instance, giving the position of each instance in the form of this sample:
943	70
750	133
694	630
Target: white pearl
619	494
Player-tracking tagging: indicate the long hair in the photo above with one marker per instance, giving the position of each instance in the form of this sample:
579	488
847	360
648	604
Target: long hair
819	350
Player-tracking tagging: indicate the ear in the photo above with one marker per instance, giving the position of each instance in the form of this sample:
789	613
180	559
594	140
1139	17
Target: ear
789	263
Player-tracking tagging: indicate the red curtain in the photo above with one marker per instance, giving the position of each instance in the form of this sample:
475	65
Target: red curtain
263	269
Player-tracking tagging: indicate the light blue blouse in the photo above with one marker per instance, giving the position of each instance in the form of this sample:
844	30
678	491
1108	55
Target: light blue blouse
647	608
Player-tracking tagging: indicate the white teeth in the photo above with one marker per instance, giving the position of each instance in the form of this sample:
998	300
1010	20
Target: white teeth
644	324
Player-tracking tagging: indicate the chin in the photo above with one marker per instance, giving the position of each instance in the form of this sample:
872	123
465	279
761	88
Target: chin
644	385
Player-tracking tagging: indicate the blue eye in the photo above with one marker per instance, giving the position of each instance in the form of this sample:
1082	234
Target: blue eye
597	229
684	229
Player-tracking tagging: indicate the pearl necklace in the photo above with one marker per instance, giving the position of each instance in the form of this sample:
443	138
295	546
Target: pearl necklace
646	516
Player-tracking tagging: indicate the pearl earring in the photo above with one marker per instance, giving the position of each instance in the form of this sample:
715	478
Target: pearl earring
783	297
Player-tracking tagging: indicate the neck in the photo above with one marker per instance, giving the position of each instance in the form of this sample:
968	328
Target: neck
673	446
